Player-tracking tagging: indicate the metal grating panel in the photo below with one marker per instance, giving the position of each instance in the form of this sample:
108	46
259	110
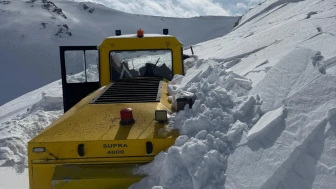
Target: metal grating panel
131	90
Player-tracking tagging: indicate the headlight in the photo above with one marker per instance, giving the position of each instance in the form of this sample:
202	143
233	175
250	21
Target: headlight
39	149
161	115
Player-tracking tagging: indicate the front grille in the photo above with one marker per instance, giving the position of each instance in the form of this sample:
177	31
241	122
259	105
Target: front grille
131	90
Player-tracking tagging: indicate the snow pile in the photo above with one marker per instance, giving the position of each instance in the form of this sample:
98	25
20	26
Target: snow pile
209	130
37	110
298	151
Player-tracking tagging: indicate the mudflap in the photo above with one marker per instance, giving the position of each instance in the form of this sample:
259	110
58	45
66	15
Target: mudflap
94	176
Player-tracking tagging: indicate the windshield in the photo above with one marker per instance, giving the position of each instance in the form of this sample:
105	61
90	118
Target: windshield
141	63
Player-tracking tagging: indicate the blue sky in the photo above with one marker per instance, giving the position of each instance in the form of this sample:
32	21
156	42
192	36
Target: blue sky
181	8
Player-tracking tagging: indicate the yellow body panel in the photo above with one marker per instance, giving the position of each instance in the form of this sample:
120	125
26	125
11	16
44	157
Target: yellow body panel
105	126
100	176
97	127
111	151
94	122
99	172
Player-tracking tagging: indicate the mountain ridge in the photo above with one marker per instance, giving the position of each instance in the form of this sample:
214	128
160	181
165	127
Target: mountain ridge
25	24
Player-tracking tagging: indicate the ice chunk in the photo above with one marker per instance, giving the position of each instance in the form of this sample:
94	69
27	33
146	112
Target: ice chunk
194	125
173	84
245	83
176	79
181	140
235	130
213	78
266	123
246	106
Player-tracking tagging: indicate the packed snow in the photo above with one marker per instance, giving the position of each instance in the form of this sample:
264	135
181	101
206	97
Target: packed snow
36	110
10	179
276	159
266	123
209	129
263	113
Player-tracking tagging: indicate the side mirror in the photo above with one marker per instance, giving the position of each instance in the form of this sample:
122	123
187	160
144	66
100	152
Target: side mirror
118	32
165	31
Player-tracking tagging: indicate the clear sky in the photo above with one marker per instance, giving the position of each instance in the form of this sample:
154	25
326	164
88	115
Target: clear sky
181	8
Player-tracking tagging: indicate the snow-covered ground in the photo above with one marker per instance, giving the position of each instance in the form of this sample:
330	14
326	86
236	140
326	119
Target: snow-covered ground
32	30
264	115
12	180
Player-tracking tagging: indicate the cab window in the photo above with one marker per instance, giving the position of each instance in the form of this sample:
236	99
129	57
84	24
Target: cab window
141	63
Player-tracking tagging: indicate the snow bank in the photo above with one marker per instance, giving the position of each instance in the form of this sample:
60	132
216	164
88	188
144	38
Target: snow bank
209	130
38	109
17	107
299	152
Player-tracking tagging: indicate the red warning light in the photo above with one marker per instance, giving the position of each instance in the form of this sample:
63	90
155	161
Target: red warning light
140	33
126	116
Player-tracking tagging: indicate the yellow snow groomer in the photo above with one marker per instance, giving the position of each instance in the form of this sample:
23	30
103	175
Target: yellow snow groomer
115	113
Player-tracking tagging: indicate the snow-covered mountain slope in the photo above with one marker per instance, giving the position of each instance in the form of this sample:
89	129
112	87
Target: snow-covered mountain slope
287	48
270	31
32	30
276	130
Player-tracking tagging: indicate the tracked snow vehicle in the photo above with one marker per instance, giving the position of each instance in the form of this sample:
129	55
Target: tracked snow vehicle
116	105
